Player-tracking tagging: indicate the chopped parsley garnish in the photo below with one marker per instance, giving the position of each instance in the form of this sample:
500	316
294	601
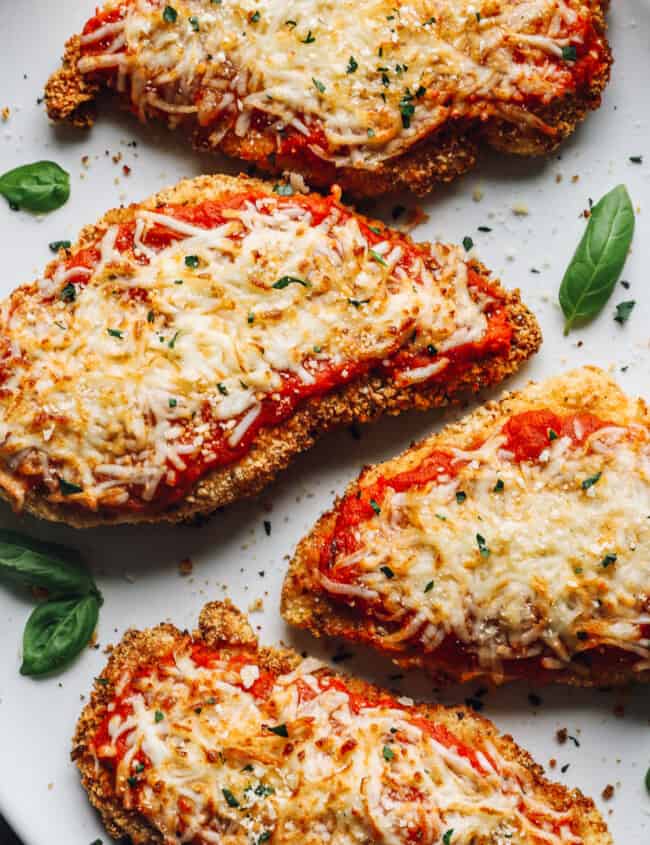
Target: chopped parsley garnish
255	17
68	489
358	302
231	801
429	22
279	730
375	506
388	572
609	559
169	14
484	229
285	281
68	292
318	85
158	716
173	403
178	281
569	53
647	780
460	496
263	790
421	91
589	482
250	319
223	390
552	434
375	229
378	258
248	768
115	333
132	781
428	587
582	635
468	243
446	839
194	23
636	159
482	545
283	189
139	767
55	246
406	108
623	311
388	752
172	342
150	316
309	39
352	65
264	836
431	349
192	261
499	486
267	528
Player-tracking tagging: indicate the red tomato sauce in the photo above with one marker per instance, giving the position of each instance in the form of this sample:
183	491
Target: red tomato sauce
281	405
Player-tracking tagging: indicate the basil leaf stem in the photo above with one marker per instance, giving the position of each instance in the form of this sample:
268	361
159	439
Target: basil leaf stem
41	186
599	258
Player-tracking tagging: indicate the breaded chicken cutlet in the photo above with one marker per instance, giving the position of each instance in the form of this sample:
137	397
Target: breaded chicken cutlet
186	348
513	544
374	95
208	738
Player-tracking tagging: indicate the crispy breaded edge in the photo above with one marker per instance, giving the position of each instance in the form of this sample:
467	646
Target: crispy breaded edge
221	625
305	605
439	158
361	401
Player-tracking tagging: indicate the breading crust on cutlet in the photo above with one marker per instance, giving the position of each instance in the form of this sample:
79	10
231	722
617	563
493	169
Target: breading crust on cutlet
360	401
306	605
440	157
222	625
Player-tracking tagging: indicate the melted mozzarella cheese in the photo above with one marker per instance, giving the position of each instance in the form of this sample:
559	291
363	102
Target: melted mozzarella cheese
374	75
306	765
118	387
538	558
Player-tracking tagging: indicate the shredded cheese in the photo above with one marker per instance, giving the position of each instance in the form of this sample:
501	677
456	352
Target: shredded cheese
209	761
119	380
372	76
517	559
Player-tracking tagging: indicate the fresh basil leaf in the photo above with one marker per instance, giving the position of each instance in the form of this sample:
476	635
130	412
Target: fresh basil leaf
56	632
285	281
598	261
32	563
41	186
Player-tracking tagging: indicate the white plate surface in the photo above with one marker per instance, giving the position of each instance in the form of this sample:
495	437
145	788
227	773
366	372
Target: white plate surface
137	568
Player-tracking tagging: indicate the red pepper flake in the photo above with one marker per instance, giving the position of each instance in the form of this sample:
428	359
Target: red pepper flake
126	170
608	792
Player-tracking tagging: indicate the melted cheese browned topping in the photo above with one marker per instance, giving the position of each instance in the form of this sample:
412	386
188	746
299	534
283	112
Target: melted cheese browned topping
518	559
372	75
209	762
127	375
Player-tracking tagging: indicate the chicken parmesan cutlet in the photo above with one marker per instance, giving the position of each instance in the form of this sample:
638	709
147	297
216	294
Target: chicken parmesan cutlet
210	739
186	348
374	95
513	544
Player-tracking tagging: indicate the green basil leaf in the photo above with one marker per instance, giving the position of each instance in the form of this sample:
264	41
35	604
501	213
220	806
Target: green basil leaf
598	261
41	186
32	563
56	632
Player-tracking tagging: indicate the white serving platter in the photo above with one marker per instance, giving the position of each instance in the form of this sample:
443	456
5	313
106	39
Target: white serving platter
137	568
